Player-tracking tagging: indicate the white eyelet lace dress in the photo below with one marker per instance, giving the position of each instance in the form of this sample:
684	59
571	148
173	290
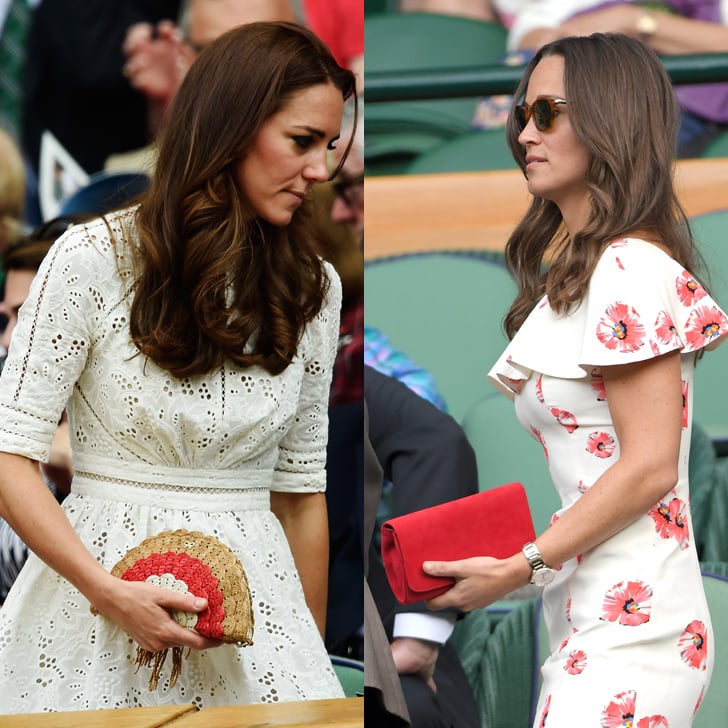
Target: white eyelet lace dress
629	628
153	453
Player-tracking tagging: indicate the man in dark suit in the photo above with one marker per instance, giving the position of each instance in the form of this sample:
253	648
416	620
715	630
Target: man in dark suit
426	456
384	704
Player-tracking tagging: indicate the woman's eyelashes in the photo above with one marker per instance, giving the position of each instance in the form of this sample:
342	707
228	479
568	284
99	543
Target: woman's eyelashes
304	142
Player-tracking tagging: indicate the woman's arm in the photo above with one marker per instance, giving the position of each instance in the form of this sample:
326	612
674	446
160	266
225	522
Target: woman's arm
673	34
304	518
645	401
140	609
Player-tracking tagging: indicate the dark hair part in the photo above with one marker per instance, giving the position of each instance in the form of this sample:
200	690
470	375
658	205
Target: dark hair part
623	110
211	275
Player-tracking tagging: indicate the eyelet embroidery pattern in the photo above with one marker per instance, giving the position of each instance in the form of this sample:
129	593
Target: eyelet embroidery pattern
228	438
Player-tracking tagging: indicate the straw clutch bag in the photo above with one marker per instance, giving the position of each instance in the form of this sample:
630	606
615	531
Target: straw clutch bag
190	562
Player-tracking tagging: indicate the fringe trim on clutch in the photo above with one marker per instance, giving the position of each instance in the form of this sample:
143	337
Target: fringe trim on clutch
155	660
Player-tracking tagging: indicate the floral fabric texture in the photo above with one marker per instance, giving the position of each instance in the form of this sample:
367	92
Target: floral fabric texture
155	453
629	628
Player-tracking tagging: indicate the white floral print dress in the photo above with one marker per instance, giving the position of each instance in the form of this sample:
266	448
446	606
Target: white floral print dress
151	453
629	628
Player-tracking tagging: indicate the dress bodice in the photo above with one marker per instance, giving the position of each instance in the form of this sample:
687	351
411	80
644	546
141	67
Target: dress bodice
72	347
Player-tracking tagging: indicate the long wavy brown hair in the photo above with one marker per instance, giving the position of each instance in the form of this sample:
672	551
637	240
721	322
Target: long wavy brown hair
622	108
212	277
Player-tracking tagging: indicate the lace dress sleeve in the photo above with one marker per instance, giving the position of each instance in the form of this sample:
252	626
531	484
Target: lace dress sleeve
302	452
50	343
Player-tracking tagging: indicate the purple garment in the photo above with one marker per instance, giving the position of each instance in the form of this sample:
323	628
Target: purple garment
706	100
697	9
694	9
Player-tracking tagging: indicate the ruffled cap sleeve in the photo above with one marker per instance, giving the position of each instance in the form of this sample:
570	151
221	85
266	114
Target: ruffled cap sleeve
640	304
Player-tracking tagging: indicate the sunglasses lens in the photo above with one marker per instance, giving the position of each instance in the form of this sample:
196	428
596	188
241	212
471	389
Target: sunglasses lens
521	120
542	114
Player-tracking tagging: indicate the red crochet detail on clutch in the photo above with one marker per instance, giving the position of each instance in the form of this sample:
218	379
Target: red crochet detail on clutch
198	578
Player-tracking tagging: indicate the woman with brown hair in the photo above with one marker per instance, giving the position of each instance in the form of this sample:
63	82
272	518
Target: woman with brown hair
605	331
192	339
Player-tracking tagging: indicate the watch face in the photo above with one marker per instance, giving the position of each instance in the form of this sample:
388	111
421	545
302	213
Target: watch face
646	25
542	577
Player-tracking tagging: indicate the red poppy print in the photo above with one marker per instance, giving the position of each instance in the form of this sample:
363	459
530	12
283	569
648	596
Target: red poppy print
575	662
597	383
629	603
670	519
666	330
601	444
693	645
698	702
619	263
620	711
545	713
684	422
688	289
564	644
621	328
539	437
539	389
654	721
516	384
705	324
565	419
618	243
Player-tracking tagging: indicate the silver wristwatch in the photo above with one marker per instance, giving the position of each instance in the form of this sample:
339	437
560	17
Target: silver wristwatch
541	575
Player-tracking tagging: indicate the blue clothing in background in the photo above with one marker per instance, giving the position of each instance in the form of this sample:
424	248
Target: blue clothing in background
380	354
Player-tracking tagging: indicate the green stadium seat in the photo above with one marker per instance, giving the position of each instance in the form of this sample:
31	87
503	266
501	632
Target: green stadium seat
418	41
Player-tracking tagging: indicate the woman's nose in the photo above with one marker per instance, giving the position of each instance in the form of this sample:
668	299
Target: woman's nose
317	168
528	132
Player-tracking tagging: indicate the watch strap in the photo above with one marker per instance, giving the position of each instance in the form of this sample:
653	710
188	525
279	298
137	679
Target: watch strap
533	556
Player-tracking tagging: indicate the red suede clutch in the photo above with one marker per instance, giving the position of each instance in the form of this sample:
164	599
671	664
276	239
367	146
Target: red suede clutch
495	522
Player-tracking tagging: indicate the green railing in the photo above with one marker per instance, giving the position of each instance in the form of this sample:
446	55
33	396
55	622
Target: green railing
487	80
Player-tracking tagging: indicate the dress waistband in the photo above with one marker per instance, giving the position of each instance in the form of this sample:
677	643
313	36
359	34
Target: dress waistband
168	487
